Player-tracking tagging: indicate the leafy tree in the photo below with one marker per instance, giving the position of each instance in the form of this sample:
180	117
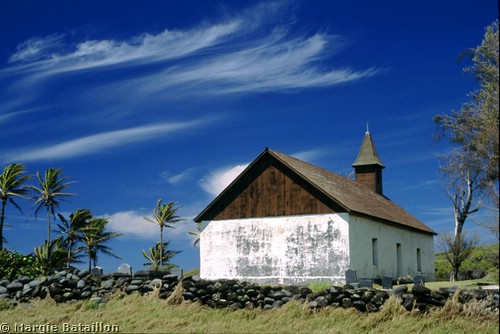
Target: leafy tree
71	229
51	255
475	126
50	193
94	238
165	216
158	255
11	185
471	168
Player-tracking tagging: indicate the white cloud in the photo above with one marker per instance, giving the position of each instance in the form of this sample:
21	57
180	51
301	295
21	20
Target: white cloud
133	225
42	53
35	49
309	155
99	142
439	211
177	178
218	180
275	63
250	52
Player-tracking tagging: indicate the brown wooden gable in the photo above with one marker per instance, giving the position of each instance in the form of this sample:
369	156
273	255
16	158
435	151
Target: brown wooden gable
276	184
268	188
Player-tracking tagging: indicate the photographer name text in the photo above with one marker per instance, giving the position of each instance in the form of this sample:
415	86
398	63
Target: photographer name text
94	327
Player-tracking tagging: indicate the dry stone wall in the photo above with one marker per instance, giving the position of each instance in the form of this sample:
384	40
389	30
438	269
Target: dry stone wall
77	285
74	285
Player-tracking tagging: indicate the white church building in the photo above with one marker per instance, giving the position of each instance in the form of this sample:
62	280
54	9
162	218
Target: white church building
283	220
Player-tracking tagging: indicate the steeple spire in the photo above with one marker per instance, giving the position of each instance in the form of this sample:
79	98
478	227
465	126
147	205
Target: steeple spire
368	166
367	153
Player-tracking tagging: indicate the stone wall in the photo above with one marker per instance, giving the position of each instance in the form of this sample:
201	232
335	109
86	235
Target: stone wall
76	285
236	295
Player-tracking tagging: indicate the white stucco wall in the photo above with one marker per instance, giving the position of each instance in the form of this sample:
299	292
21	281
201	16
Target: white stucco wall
286	250
361	233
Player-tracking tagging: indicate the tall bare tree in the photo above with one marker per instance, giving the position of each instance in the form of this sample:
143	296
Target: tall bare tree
471	168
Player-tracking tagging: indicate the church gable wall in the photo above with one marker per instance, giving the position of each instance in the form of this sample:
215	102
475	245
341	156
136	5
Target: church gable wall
286	250
270	190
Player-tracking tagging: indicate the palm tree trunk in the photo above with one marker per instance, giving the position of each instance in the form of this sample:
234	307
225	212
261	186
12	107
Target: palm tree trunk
88	253
48	219
2	217
161	247
69	253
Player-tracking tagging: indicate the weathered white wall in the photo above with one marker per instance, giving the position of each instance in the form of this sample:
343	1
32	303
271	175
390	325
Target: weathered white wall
287	250
361	233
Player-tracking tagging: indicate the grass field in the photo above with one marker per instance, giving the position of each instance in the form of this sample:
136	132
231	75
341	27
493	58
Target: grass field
470	284
136	314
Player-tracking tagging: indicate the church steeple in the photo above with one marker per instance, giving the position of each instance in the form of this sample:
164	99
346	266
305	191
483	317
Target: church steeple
367	166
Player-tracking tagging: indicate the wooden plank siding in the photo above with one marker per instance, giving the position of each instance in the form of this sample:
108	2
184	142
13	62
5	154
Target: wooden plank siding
270	189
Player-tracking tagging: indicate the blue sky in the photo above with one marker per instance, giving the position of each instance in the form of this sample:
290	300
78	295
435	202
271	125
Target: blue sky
141	100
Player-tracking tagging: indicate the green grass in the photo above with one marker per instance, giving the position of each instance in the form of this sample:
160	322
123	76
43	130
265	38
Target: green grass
470	284
319	286
133	314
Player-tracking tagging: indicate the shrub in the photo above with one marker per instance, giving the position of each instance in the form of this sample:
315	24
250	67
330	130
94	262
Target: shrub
483	260
192	272
15	264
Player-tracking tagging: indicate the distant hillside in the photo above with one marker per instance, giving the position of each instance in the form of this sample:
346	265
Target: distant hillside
483	261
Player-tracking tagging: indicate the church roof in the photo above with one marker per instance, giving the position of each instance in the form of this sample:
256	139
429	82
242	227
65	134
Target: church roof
367	153
351	196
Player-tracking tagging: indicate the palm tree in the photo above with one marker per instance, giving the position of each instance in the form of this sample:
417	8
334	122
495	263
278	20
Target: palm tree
94	237
156	258
11	185
50	193
50	255
70	230
164	216
196	233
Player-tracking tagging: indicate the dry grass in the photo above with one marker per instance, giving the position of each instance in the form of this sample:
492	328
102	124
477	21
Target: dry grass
134	314
176	296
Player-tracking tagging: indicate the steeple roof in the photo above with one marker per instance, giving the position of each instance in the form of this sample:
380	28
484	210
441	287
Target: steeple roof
367	154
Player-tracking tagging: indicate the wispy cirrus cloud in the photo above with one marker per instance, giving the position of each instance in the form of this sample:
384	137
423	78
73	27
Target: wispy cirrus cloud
40	55
249	52
37	49
99	142
253	51
175	179
275	63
